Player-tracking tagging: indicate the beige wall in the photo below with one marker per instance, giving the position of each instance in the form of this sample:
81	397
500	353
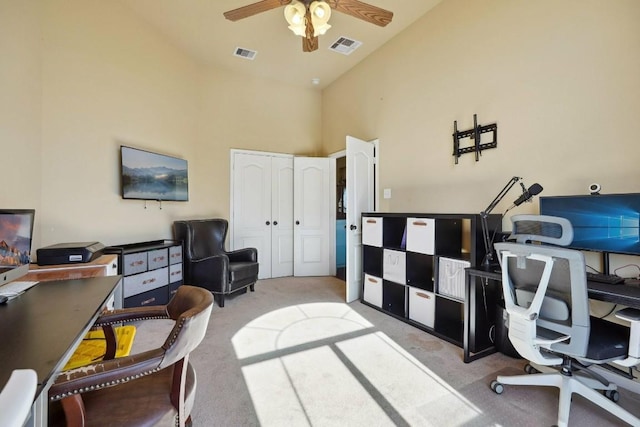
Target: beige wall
560	78
81	77
20	113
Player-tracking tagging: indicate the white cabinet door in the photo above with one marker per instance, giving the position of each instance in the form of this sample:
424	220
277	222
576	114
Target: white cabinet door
313	214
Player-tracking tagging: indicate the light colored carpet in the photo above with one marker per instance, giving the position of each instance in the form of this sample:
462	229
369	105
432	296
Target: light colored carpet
294	354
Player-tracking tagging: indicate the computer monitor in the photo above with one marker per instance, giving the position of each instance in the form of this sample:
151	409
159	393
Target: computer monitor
16	235
608	223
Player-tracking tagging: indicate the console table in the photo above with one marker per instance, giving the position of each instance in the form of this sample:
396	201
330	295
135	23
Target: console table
41	329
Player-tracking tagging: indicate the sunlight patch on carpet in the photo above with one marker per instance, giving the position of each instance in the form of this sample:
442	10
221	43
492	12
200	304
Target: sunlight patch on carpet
324	364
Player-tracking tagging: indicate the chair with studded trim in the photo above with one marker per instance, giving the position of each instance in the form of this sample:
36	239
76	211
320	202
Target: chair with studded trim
153	387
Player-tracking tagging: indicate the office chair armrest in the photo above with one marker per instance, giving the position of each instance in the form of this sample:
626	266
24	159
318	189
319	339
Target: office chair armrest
105	374
211	273
631	315
243	255
111	317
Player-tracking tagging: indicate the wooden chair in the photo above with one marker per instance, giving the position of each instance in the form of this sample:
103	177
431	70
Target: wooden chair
154	387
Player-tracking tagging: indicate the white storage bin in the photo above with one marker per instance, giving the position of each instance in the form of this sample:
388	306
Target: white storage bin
134	263
394	266
451	279
144	282
372	231
421	234
372	290
422	306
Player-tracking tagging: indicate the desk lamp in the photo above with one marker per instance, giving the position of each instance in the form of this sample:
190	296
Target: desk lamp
527	195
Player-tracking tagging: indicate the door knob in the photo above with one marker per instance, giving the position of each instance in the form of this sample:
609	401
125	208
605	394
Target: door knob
275	222
297	222
268	223
352	227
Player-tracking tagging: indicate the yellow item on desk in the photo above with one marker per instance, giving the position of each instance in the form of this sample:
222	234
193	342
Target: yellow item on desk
94	346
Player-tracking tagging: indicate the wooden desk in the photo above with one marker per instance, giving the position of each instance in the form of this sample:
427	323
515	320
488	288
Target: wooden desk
41	329
105	265
627	295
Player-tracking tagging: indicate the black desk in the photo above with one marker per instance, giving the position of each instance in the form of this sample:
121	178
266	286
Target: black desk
627	295
40	329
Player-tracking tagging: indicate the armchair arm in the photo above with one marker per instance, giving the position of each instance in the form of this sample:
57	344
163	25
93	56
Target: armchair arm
243	255
211	273
105	374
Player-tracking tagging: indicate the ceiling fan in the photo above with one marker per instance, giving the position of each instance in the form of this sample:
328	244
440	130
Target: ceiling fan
309	18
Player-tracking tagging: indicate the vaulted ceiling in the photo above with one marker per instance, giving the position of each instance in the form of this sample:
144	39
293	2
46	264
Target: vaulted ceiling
199	28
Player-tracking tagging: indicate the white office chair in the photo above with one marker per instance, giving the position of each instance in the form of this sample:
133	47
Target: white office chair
545	293
16	398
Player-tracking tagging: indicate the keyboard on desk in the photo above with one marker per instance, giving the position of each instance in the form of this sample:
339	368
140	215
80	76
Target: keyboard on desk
16	287
610	279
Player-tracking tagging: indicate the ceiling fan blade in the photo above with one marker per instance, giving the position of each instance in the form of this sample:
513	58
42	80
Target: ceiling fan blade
254	9
364	11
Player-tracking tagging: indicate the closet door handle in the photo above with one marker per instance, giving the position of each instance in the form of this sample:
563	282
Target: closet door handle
275	222
268	223
297	222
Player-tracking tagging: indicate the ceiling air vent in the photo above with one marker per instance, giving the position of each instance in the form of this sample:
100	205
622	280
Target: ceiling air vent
345	46
245	53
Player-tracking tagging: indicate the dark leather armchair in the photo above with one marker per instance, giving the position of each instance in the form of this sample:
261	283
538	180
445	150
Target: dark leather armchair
154	387
206	262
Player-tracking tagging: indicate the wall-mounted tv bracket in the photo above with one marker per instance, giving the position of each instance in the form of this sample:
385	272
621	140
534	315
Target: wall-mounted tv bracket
475	135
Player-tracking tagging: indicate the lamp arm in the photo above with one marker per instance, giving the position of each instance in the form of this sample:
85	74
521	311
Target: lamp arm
488	250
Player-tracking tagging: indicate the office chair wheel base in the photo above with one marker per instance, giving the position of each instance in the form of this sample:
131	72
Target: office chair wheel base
612	395
528	369
497	387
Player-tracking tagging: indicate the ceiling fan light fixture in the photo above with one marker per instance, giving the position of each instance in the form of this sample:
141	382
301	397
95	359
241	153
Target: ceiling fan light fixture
295	13
320	14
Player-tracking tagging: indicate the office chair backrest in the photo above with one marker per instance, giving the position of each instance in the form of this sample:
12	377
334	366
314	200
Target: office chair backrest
545	287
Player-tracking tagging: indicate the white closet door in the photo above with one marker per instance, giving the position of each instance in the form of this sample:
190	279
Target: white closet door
251	206
314	215
281	216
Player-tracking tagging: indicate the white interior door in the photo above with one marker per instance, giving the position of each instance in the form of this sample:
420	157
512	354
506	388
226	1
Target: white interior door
281	216
360	198
314	215
251	206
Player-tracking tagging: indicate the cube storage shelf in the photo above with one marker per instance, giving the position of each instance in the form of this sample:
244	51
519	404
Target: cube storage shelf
414	269
152	271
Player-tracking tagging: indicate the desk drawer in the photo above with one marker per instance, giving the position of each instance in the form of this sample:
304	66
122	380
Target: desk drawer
158	258
134	263
144	282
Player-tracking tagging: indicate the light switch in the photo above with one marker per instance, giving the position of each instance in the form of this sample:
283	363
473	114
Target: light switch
387	193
